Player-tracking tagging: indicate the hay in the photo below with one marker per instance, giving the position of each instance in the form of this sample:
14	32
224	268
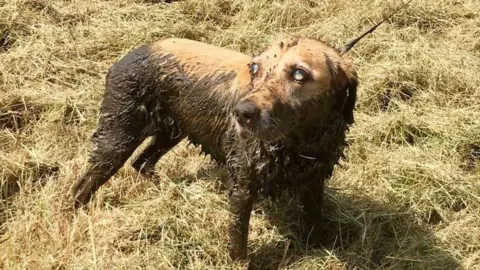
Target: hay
407	197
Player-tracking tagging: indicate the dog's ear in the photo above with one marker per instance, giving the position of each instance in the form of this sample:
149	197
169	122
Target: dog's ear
351	84
349	105
344	78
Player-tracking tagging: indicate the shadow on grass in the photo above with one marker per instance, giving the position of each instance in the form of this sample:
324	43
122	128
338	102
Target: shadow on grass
359	234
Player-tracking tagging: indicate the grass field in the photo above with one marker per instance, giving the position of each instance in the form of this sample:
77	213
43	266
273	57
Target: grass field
406	197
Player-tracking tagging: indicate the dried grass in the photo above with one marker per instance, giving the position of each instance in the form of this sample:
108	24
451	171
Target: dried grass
407	197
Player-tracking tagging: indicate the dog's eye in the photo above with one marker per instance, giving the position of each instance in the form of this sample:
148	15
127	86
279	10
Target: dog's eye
254	69
299	75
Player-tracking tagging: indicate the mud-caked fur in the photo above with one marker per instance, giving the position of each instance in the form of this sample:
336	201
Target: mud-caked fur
277	120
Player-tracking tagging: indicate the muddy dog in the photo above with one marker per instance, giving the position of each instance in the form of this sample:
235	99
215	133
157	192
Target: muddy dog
277	121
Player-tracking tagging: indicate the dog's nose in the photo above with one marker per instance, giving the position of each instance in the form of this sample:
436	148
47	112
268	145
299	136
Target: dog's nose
246	111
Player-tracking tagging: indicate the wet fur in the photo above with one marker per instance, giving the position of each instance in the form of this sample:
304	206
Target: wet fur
178	88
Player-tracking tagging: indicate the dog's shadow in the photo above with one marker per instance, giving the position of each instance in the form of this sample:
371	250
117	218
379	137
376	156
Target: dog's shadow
358	234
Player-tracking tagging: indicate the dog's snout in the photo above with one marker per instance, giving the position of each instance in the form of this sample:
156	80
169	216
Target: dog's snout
246	111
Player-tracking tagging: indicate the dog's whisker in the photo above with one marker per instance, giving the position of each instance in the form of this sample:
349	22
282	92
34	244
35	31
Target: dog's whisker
276	127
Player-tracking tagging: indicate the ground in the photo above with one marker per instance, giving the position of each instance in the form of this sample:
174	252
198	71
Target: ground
406	197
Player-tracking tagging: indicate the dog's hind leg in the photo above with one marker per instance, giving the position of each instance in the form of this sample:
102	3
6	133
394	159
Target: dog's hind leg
119	133
160	144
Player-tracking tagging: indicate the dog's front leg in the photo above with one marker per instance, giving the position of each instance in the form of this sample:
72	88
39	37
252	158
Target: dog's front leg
241	201
312	200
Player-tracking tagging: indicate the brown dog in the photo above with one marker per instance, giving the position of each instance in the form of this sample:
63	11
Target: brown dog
277	121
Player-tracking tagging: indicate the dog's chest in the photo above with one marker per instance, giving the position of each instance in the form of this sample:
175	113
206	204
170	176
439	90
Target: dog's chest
278	168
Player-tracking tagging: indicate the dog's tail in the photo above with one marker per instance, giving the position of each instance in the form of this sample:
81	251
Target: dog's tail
352	43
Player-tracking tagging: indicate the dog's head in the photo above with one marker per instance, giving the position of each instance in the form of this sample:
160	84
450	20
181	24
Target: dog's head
296	83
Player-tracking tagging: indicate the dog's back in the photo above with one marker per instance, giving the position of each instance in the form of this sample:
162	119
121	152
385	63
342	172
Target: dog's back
200	59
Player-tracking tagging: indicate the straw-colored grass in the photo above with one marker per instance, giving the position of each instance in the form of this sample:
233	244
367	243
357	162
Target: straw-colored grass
406	197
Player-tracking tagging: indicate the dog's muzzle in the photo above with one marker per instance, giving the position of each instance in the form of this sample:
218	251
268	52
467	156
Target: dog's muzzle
246	113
